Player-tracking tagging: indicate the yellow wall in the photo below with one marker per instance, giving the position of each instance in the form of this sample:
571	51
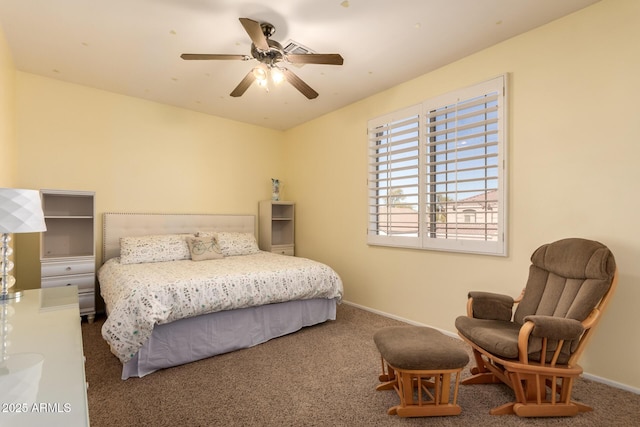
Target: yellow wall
573	153
573	161
7	124
7	92
137	156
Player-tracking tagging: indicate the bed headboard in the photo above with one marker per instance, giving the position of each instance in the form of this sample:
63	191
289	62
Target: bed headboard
117	225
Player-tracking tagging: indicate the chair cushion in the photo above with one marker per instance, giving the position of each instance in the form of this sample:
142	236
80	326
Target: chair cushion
501	338
555	328
567	278
576	258
496	336
419	348
488	305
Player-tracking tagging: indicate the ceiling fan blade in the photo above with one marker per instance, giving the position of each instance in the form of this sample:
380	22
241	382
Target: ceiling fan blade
213	56
243	85
315	58
297	82
254	30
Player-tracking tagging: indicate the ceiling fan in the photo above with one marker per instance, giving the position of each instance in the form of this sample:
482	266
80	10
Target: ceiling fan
270	55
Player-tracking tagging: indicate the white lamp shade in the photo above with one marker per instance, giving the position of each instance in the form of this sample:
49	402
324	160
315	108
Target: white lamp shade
21	211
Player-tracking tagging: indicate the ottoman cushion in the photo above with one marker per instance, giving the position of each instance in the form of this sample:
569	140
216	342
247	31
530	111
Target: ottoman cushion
419	348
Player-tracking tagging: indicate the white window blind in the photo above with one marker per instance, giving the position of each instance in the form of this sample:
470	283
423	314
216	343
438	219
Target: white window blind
394	181
441	185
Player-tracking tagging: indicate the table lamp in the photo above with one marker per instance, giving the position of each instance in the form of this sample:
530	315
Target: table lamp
20	212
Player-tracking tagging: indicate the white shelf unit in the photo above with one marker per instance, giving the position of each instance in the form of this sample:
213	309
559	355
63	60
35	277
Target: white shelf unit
276	227
67	248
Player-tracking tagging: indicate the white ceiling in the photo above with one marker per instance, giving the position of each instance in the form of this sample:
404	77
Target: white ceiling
133	47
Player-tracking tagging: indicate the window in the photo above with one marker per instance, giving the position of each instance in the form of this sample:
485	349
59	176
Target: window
394	177
437	173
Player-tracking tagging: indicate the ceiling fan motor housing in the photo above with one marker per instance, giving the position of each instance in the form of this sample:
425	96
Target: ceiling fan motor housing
270	57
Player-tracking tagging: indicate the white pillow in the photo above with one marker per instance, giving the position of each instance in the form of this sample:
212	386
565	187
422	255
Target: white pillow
234	243
154	248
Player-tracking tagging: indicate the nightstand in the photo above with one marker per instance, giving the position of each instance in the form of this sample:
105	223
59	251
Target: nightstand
276	221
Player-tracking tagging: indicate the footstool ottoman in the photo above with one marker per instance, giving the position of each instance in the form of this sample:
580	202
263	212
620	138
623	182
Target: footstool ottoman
418	362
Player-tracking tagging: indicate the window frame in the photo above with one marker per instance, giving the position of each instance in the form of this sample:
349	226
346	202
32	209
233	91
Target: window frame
493	238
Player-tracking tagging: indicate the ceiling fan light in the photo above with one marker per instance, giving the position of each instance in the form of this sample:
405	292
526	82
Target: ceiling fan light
260	74
277	75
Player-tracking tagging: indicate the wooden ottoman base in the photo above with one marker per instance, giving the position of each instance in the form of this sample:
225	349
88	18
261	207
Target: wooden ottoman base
419	364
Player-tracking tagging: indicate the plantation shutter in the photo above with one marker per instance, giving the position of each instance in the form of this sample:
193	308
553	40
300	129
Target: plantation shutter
437	173
394	183
463	149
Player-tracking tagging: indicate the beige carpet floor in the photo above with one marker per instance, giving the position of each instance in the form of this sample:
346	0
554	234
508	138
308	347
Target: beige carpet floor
324	375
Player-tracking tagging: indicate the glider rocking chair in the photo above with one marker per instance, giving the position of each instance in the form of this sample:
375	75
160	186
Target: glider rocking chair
535	350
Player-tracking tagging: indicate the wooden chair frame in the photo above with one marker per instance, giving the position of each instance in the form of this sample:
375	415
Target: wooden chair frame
541	389
422	393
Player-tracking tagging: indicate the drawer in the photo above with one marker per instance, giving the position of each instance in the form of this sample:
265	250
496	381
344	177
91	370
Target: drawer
67	268
84	282
283	250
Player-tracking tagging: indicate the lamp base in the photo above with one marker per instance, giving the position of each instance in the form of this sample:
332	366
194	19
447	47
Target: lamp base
10	296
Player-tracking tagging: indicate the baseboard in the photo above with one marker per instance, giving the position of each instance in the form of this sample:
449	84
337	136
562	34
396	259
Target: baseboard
611	383
400	319
454	335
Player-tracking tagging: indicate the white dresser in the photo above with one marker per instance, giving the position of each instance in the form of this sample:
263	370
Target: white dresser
42	379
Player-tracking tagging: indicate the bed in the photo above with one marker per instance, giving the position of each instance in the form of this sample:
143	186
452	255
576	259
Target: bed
167	305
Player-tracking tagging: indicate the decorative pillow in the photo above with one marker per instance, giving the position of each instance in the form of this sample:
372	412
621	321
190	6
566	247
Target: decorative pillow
234	243
203	248
154	248
206	234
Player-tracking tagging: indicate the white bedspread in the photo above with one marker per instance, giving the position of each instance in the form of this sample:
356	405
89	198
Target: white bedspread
139	296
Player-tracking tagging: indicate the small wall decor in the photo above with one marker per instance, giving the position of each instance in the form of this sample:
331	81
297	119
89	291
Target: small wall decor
275	189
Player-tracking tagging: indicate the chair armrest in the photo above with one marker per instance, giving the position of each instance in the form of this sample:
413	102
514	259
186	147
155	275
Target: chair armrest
555	328
490	306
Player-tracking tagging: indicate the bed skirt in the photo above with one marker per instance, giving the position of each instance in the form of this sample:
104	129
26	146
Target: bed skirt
195	338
